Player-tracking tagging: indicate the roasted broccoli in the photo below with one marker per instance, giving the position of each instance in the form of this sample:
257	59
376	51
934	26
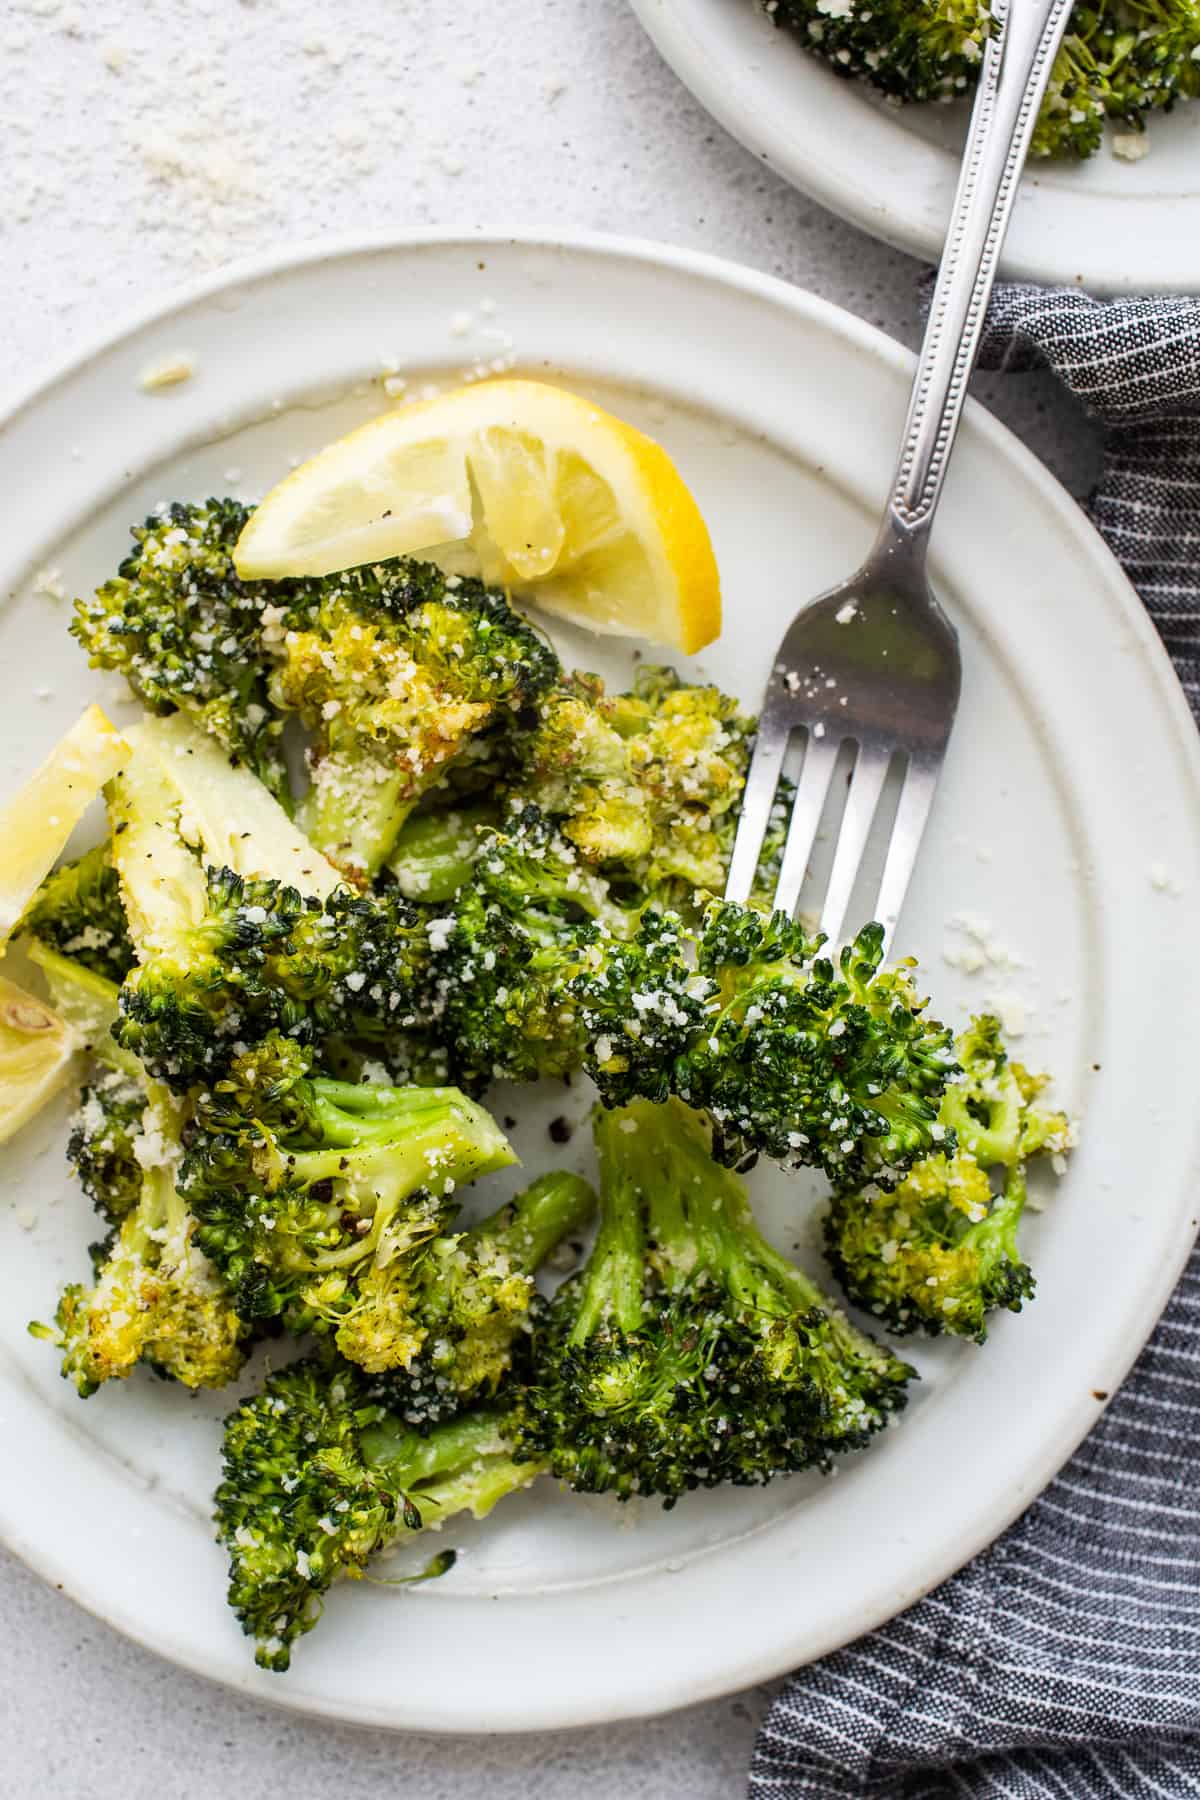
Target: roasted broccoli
397	669
690	1352
78	910
156	1298
229	957
940	1252
312	1194
319	1477
645	784
461	1304
793	1057
186	631
1120	58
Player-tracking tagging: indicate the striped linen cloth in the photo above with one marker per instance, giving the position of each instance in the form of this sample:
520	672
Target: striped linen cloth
1063	1663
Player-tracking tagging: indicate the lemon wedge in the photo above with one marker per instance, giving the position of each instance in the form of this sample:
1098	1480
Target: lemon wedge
550	496
36	1051
36	823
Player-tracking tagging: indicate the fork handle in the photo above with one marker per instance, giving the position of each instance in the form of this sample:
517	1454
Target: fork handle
1017	60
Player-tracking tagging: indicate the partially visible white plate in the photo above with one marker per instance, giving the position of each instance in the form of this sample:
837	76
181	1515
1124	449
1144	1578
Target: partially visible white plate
1073	776
1109	225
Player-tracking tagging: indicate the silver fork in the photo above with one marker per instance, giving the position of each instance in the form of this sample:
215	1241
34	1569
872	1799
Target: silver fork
874	663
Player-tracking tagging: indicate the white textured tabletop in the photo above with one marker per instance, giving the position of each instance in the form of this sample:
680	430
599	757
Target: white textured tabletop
146	141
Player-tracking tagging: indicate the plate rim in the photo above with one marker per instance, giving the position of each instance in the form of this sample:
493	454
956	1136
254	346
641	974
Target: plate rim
1179	729
1053	259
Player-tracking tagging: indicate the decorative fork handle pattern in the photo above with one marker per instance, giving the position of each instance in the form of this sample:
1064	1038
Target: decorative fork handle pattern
1017	61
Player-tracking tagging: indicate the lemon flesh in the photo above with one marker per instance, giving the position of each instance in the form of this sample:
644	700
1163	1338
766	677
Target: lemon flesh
36	1052
36	823
547	494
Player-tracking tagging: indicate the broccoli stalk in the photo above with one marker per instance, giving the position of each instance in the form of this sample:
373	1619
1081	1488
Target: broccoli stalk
319	1478
690	1352
940	1252
436	852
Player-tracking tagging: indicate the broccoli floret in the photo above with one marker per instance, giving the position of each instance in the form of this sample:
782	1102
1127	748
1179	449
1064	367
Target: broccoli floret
102	1147
397	669
792	1057
261	959
156	1298
462	1303
78	910
690	1352
1120	58
319	1477
228	957
940	1252
645	784
436	852
312	1193
186	632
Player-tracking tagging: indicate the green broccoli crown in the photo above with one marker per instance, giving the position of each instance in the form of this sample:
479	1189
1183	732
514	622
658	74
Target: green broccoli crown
312	1194
791	1058
940	1252
471	1300
318	1477
690	1352
526	866
102	1146
185	631
502	985
645	784
398	669
643	1006
263	959
78	911
812	1063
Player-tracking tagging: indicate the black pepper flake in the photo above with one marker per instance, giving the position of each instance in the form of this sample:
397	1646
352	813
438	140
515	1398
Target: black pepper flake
560	1130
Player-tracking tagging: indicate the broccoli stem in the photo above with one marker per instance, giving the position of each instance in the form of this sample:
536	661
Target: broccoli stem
435	853
612	1282
539	1218
461	1466
355	809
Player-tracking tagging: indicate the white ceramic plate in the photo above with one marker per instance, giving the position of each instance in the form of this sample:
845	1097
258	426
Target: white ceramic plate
1073	775
1109	225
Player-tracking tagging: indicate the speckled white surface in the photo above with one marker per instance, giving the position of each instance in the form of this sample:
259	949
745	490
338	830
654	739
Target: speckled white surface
143	141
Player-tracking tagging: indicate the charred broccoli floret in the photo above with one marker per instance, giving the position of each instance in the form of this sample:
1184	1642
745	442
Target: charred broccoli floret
463	1303
319	1477
78	911
156	1298
312	1194
940	1252
397	668
793	1057
690	1352
185	631
645	784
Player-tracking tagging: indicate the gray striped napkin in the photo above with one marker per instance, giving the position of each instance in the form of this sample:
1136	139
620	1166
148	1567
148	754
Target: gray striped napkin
1063	1663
